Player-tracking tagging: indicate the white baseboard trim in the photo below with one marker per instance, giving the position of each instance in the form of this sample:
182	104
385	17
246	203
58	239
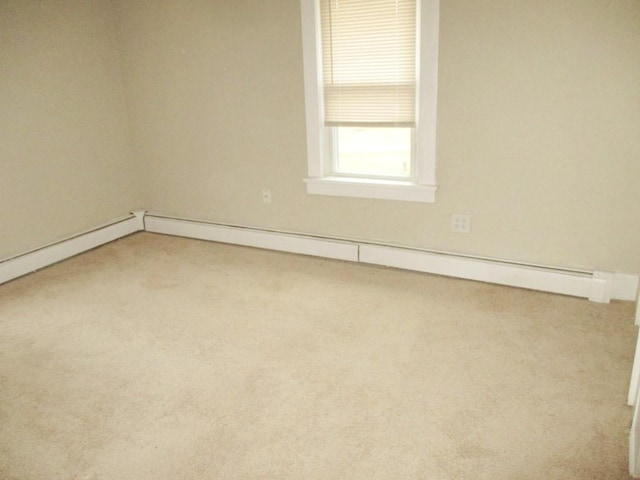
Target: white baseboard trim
625	287
33	260
596	286
556	281
251	237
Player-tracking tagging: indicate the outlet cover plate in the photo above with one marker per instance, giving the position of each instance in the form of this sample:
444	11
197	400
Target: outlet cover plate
460	223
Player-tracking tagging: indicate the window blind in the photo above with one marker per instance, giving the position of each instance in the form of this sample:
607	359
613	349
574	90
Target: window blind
369	62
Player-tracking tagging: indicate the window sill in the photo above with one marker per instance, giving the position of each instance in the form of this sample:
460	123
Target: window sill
368	188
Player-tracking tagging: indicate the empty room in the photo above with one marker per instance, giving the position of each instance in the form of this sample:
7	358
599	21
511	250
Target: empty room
319	239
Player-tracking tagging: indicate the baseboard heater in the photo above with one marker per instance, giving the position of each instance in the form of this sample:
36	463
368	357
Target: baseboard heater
46	255
596	286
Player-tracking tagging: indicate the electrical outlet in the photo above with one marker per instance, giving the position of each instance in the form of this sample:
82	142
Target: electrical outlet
266	195
460	223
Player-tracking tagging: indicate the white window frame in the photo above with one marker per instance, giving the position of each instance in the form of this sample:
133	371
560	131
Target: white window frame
422	187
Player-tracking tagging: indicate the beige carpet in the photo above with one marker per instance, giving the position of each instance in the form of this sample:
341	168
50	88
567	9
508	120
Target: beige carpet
164	358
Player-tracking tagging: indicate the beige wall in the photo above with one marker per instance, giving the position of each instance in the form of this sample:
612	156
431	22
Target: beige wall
65	160
538	130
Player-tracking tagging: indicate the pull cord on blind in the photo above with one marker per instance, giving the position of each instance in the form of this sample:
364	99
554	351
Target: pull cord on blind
369	62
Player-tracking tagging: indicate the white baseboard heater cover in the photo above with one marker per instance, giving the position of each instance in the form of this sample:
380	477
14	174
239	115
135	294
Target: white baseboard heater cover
596	286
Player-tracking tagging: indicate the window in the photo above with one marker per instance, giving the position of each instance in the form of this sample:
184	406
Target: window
370	91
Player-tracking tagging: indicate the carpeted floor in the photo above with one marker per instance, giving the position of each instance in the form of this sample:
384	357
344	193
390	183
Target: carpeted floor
164	358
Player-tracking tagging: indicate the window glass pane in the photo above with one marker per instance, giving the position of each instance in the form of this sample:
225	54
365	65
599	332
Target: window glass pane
378	151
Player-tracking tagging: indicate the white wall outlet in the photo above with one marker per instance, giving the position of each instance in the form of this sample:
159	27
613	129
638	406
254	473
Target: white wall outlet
266	195
460	223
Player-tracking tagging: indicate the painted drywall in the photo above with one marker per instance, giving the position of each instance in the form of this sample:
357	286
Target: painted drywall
65	156
538	121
